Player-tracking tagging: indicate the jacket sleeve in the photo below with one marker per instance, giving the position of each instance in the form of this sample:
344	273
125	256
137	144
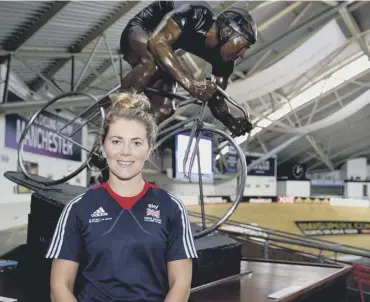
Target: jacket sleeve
181	243
66	242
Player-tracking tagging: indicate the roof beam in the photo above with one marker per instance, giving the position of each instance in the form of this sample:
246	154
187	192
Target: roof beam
100	70
279	15
56	54
354	29
315	146
309	103
78	46
331	3
300	15
359	144
300	151
15	40
300	30
320	152
272	152
365	151
32	106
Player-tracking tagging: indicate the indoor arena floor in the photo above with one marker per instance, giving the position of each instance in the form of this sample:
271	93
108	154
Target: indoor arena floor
282	216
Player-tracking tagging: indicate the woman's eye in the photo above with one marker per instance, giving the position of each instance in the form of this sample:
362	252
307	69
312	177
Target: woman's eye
137	143
115	141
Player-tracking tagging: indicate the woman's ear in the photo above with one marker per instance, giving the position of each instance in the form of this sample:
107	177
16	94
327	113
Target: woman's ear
103	152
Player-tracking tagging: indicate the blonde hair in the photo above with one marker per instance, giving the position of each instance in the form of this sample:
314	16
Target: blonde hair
135	107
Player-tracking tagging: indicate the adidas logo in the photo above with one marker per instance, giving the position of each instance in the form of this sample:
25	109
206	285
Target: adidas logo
99	213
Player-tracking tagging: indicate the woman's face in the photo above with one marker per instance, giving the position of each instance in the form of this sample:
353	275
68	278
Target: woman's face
126	148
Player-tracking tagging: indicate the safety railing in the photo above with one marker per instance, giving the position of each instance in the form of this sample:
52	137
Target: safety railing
267	236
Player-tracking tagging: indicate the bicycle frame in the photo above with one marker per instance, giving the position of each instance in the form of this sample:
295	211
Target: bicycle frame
197	126
198	121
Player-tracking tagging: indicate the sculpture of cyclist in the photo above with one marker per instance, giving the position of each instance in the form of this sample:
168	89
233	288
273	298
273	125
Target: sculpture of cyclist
150	39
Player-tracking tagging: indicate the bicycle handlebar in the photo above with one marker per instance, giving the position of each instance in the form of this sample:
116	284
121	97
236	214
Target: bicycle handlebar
212	78
231	101
186	101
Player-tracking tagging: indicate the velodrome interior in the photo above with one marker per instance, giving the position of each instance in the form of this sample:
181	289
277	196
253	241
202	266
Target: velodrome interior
305	203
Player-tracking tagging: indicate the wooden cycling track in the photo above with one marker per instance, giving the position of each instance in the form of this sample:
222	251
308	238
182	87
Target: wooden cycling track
282	216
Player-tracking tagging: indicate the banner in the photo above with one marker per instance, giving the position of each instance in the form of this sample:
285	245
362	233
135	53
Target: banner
232	160
285	199
259	199
217	199
266	168
319	228
42	138
312	200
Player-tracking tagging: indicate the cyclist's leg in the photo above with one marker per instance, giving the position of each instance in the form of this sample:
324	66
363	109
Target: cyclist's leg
162	107
134	49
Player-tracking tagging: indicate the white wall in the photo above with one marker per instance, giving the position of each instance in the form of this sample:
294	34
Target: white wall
184	188
298	188
260	186
356	190
353	167
256	186
357	167
189	192
281	188
14	207
335	201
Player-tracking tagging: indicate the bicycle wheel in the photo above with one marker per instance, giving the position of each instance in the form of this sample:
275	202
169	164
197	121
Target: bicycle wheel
242	173
92	114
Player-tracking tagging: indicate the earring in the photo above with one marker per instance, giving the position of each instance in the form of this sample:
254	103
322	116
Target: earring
104	155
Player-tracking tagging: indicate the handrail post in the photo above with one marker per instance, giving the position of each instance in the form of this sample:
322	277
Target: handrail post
321	256
266	249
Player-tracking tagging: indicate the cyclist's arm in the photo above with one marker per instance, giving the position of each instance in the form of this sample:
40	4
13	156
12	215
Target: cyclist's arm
222	72
160	45
217	104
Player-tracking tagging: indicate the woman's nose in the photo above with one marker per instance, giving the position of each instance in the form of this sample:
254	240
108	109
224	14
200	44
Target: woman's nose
126	149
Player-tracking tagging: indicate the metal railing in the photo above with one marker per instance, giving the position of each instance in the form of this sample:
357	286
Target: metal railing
270	235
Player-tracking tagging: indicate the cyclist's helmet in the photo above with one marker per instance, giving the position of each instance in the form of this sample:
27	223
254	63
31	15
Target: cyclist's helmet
236	22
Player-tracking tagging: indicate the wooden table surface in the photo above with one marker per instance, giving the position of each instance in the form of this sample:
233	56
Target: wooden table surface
267	278
256	282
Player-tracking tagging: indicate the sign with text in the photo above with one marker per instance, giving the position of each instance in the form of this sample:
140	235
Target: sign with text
42	138
217	199
266	168
320	228
259	199
232	160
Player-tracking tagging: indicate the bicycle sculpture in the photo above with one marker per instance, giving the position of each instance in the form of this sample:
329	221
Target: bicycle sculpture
95	114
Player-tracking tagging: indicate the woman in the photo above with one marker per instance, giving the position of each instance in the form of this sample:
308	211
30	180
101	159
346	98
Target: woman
128	240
